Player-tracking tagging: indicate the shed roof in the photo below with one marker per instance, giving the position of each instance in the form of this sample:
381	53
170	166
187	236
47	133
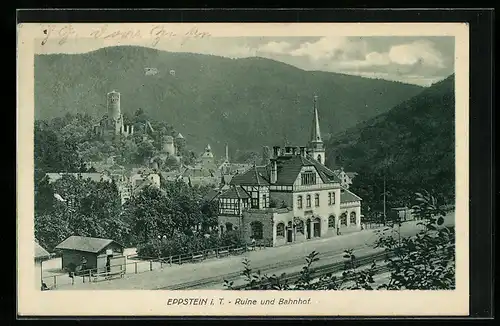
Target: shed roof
346	196
40	251
86	244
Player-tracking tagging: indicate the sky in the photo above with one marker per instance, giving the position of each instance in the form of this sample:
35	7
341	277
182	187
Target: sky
415	60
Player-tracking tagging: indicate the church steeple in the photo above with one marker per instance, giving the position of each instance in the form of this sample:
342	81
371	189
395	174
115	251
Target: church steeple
315	131
316	148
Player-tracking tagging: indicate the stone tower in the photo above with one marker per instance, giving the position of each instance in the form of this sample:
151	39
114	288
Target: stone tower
114	113
316	146
169	146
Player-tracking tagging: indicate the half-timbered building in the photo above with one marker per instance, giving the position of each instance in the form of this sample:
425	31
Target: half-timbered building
292	198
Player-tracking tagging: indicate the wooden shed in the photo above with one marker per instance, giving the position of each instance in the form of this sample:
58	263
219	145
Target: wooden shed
91	253
40	255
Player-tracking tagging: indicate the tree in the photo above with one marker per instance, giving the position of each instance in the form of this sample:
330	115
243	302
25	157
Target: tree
149	214
84	207
209	210
145	150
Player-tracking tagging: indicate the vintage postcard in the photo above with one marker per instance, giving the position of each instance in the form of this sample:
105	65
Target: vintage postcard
243	169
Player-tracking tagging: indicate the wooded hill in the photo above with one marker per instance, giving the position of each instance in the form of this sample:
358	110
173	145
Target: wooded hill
413	144
246	103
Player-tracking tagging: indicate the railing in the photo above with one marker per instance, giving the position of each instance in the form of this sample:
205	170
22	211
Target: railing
145	264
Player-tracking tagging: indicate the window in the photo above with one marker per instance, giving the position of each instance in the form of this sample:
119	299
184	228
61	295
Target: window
333	198
299	202
256	228
229	206
265	201
308	178
316	200
229	227
329	198
331	222
300	227
343	219
308	201
353	218
255	199
280	230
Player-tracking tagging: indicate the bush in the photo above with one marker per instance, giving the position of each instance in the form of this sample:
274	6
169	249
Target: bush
181	244
231	238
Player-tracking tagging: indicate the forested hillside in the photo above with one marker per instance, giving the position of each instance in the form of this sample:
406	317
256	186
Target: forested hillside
413	145
246	103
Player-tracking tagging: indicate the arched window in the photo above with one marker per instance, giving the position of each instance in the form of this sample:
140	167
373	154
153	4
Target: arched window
280	230
300	227
353	218
319	159
316	200
343	219
331	222
256	228
308	201
221	229
229	227
299	202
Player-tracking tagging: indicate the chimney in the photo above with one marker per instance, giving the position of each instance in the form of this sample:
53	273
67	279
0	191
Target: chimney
276	151
303	151
274	170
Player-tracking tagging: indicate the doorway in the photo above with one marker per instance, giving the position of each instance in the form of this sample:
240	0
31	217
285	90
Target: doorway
289	235
317	228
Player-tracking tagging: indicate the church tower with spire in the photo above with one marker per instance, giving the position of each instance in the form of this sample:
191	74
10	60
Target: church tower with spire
316	146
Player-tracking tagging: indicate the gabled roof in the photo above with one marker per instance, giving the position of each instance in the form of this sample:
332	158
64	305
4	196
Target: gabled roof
211	195
289	168
346	196
235	192
251	177
331	175
86	244
40	252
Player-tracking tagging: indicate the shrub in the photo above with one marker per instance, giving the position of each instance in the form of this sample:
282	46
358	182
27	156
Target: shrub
181	244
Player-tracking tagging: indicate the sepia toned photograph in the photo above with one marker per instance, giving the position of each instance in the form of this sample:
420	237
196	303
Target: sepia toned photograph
194	158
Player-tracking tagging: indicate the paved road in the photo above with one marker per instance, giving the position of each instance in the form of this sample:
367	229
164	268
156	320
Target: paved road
173	275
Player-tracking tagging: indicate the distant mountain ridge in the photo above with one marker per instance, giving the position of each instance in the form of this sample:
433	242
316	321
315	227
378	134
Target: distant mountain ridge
246	103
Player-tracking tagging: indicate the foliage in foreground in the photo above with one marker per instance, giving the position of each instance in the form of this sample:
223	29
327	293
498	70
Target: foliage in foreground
425	261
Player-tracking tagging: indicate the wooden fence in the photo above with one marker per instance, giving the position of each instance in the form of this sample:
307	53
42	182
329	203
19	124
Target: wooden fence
136	264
